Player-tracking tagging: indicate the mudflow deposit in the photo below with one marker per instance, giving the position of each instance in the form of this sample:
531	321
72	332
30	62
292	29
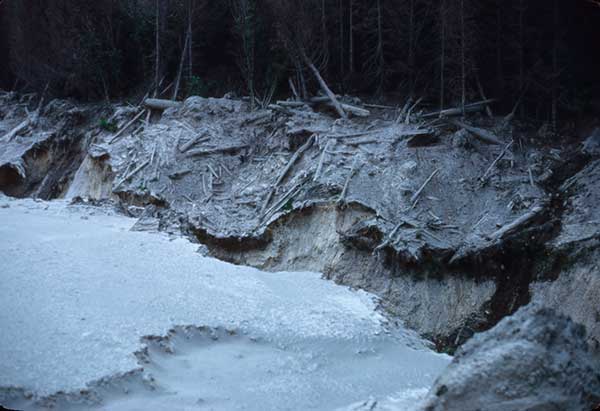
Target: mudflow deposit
351	250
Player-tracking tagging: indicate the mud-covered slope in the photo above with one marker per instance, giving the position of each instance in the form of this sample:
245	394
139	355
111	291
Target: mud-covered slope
450	232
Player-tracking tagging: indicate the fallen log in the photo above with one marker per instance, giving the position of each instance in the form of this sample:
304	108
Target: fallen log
292	104
204	151
200	138
361	140
287	168
410	110
353	171
287	196
324	87
519	222
126	126
415	196
354	110
322	160
15	131
469	249
279	108
160	104
479	133
132	173
457	111
491	167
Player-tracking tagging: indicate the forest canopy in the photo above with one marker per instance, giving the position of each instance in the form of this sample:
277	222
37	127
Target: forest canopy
545	53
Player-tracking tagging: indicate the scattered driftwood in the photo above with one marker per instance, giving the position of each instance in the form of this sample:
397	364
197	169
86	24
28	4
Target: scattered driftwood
126	126
205	151
334	101
479	133
416	195
485	175
160	104
458	111
200	138
297	155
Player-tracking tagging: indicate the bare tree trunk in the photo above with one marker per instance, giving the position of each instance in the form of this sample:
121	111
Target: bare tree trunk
190	40
499	46
443	53
555	73
157	49
184	51
380	58
463	79
341	45
411	48
351	37
324	34
521	49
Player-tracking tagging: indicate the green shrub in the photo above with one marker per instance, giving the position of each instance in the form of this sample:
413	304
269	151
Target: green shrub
110	126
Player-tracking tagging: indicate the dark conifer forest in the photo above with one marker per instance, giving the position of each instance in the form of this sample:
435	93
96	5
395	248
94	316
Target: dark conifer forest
545	55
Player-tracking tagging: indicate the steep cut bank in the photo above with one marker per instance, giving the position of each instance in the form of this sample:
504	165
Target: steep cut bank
452	233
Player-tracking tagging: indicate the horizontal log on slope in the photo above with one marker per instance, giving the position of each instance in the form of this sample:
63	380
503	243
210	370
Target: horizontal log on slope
470	249
204	151
160	104
518	223
481	134
457	111
355	110
200	138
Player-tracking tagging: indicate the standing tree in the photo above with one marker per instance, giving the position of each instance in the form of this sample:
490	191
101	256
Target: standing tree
244	15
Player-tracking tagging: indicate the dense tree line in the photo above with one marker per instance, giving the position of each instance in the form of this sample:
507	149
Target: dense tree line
542	53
